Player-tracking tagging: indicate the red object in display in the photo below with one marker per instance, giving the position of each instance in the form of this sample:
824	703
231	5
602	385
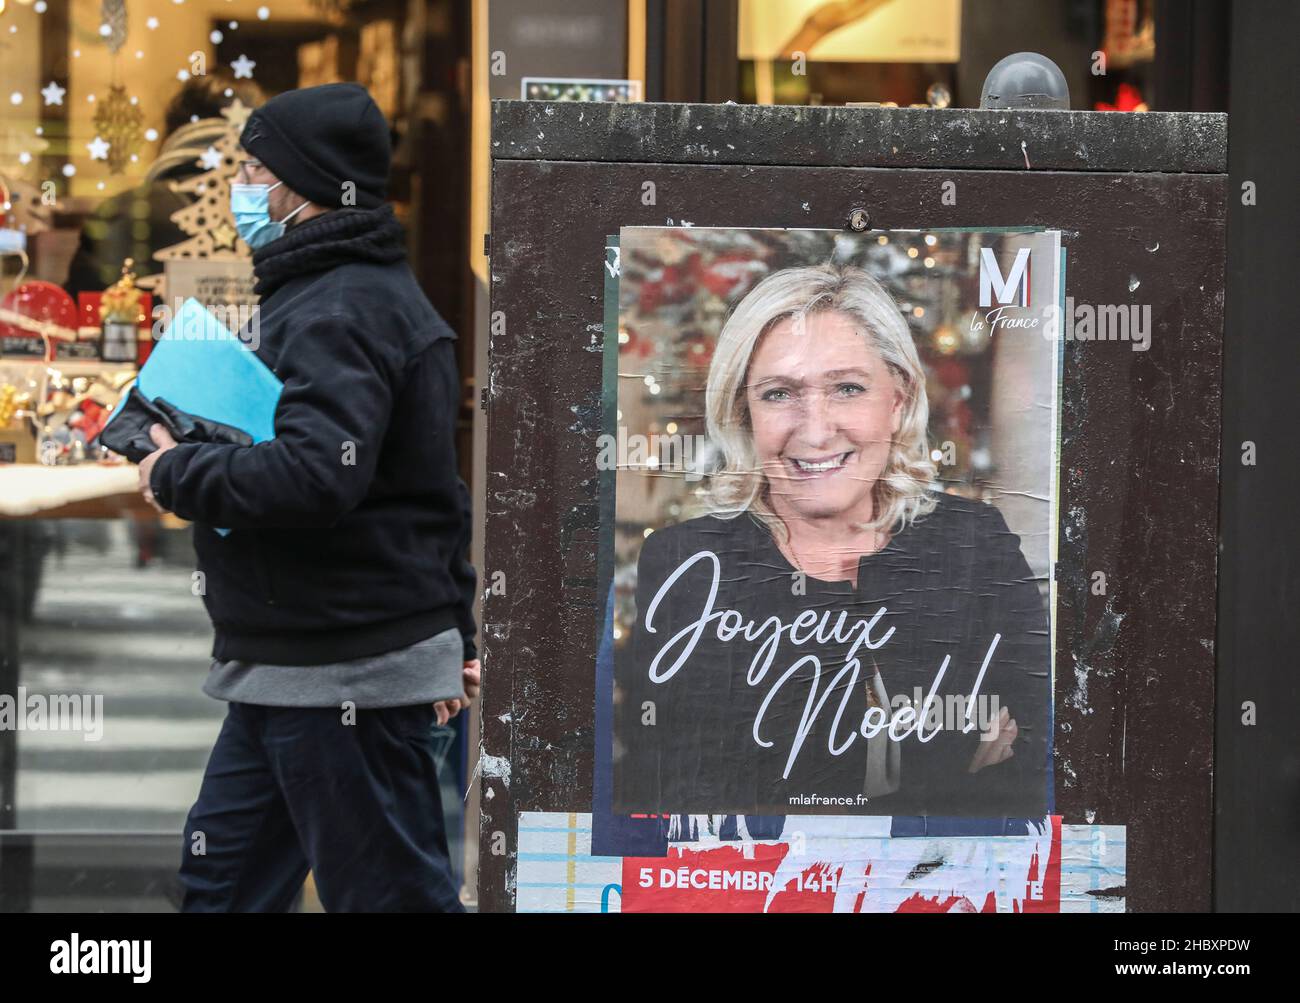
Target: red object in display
951	372
40	301
91	417
1127	98
674	285
88	304
88	308
145	345
730	274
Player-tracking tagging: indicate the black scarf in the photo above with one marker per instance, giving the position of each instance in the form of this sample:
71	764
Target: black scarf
321	243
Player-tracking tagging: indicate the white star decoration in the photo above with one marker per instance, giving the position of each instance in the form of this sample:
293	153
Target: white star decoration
243	67
53	93
211	158
98	149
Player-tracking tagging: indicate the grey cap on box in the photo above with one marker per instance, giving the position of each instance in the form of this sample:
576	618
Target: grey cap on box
1025	80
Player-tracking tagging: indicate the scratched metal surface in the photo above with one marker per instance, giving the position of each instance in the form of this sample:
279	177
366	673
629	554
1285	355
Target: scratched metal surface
1139	475
1167	142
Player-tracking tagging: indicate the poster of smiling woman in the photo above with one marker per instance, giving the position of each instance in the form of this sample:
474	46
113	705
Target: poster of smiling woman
834	518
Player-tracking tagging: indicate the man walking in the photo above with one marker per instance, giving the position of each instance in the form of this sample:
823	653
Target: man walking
341	595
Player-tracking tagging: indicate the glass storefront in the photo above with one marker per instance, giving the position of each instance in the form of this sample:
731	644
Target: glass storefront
936	52
119	129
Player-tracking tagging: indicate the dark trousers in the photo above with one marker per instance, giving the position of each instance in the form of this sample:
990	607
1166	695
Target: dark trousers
287	789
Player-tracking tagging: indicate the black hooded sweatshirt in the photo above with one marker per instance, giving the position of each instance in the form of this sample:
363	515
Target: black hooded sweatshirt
350	529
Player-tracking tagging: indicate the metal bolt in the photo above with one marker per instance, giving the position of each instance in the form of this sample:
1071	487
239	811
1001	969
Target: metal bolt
859	220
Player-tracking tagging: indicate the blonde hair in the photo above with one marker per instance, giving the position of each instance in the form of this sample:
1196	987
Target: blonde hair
901	493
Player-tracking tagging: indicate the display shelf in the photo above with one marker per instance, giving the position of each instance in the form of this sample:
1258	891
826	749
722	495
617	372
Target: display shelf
71	367
84	491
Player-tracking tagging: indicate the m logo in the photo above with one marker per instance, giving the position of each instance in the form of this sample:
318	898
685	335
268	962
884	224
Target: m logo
993	284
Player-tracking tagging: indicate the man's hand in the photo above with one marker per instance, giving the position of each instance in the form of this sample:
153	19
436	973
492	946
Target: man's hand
164	441
471	677
995	743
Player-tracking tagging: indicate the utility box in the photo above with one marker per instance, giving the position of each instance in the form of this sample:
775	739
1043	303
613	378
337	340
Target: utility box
1061	275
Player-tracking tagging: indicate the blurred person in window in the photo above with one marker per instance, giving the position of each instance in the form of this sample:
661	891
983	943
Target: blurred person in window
193	123
342	595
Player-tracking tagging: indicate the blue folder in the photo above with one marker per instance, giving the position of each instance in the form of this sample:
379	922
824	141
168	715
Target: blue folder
202	368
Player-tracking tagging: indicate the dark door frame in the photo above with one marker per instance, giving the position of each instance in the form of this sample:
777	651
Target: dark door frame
1257	766
691	50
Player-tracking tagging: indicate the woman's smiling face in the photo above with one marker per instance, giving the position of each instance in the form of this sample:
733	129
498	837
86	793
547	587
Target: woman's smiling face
824	408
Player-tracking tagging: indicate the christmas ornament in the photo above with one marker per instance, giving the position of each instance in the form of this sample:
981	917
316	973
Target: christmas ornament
121	314
8	403
38	309
938	96
113	13
118	121
207	219
121	300
237	115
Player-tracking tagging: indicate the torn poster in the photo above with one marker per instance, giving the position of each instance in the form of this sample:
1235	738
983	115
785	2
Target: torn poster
824	864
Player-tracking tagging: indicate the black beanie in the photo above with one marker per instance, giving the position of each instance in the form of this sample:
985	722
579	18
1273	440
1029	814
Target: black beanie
318	138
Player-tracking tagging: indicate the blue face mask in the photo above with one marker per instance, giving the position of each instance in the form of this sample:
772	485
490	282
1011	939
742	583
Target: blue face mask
250	206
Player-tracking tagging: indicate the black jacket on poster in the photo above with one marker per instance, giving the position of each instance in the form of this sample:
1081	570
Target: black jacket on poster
350	529
950	583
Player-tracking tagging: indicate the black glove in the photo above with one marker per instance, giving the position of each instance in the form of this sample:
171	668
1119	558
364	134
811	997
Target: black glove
127	432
